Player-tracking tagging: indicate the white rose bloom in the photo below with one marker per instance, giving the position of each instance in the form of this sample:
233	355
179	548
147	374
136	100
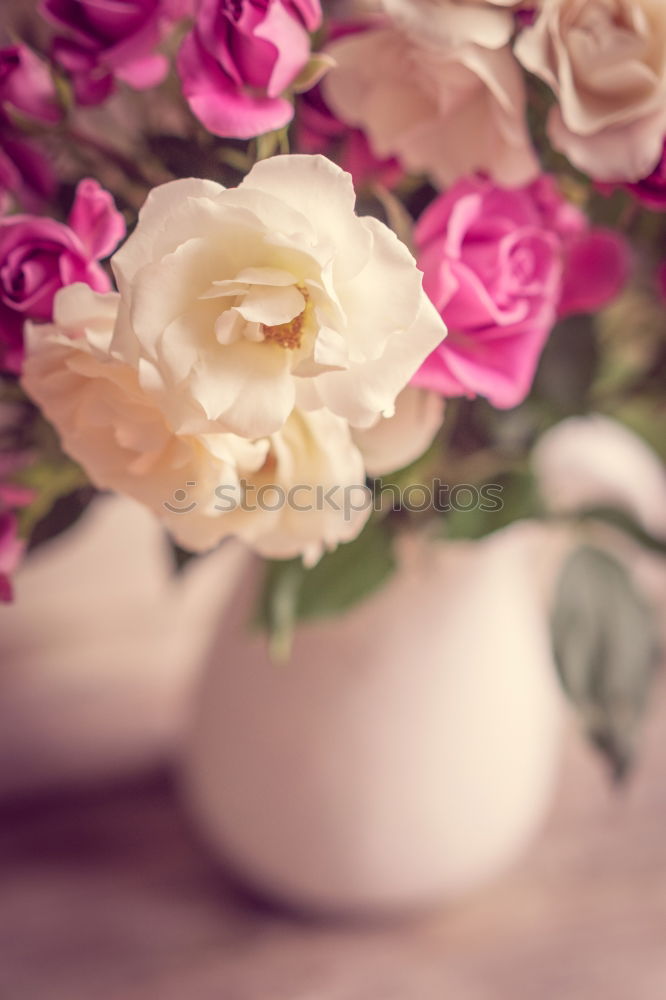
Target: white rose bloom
239	304
195	482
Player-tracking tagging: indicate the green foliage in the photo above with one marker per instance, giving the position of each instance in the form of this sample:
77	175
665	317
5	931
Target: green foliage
606	649
293	593
622	521
519	498
61	493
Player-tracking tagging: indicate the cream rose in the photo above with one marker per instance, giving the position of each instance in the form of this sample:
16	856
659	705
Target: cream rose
441	108
606	62
489	24
239	304
207	486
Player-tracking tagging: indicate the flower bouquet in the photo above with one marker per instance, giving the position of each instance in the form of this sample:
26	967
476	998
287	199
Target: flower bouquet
328	279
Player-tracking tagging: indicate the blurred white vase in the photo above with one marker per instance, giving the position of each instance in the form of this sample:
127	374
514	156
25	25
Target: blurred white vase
99	651
406	753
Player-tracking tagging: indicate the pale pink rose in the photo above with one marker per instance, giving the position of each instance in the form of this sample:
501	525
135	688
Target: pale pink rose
240	59
106	40
319	131
26	84
443	109
500	267
38	256
489	24
605	60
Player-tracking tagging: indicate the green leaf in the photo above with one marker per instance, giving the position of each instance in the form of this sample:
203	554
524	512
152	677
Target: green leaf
64	513
52	481
315	69
292	593
624	522
606	650
271	142
511	497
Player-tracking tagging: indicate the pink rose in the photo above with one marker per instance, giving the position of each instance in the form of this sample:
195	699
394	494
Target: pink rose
11	546
11	340
38	256
12	497
26	84
26	174
11	550
596	267
240	59
494	273
107	40
26	87
319	131
500	266
596	261
441	108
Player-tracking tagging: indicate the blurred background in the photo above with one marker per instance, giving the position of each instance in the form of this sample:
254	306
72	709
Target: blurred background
113	885
107	891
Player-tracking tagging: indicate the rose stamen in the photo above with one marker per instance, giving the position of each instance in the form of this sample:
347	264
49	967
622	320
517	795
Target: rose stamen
288	334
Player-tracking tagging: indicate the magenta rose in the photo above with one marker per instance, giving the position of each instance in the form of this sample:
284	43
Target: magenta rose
26	175
501	266
107	40
11	547
240	59
11	550
494	272
597	264
11	340
26	87
12	497
651	191
26	84
38	256
596	261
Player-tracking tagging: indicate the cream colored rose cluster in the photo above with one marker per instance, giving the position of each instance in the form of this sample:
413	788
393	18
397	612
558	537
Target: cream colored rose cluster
261	336
605	61
440	85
